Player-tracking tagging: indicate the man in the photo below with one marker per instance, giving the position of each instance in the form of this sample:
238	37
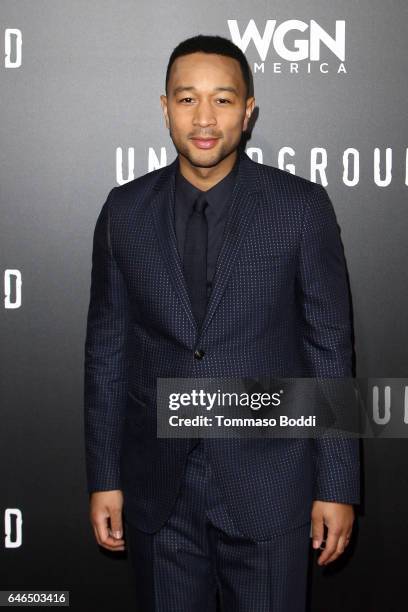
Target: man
214	266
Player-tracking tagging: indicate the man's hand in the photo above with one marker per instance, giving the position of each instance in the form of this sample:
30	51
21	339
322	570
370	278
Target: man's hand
339	520
105	506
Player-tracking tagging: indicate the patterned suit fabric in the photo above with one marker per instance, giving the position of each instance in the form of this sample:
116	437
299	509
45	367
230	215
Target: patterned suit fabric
279	306
199	551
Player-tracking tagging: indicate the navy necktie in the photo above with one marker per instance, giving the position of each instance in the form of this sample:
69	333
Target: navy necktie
195	257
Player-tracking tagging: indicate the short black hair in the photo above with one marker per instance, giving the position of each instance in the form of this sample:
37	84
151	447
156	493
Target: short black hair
211	44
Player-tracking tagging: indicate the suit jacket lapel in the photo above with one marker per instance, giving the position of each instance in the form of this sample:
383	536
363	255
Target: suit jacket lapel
163	216
244	199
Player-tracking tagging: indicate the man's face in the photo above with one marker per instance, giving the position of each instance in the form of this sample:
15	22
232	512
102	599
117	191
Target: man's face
206	109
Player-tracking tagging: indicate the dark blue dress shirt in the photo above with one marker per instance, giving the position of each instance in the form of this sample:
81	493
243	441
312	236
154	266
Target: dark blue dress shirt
218	198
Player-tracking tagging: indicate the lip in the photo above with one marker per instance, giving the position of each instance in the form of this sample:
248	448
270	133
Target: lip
205	143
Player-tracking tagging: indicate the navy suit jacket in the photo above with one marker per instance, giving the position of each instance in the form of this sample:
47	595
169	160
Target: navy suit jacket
279	307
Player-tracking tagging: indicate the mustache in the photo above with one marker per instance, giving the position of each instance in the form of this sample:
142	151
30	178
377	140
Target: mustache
205	136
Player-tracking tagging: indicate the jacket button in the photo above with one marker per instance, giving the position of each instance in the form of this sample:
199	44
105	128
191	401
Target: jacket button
198	354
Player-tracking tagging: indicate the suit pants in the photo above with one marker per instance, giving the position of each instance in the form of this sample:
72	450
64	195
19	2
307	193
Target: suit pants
198	561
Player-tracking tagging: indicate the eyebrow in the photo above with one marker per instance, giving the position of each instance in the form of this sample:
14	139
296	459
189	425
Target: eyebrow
192	88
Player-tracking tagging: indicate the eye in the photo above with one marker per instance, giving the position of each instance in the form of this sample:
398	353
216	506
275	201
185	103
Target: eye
182	99
223	100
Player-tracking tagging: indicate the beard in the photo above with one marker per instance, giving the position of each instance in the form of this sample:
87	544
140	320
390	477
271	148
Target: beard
203	158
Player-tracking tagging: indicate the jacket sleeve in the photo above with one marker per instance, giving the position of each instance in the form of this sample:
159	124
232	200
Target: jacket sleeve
326	339
105	365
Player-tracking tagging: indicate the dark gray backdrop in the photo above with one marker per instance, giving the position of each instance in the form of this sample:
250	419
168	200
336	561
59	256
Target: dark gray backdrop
82	114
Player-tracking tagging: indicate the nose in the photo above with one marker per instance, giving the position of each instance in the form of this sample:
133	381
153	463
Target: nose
204	114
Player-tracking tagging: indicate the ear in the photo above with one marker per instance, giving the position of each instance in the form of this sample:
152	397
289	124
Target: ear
163	103
250	105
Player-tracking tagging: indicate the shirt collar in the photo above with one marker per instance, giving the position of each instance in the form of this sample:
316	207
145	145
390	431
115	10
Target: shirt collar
220	190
